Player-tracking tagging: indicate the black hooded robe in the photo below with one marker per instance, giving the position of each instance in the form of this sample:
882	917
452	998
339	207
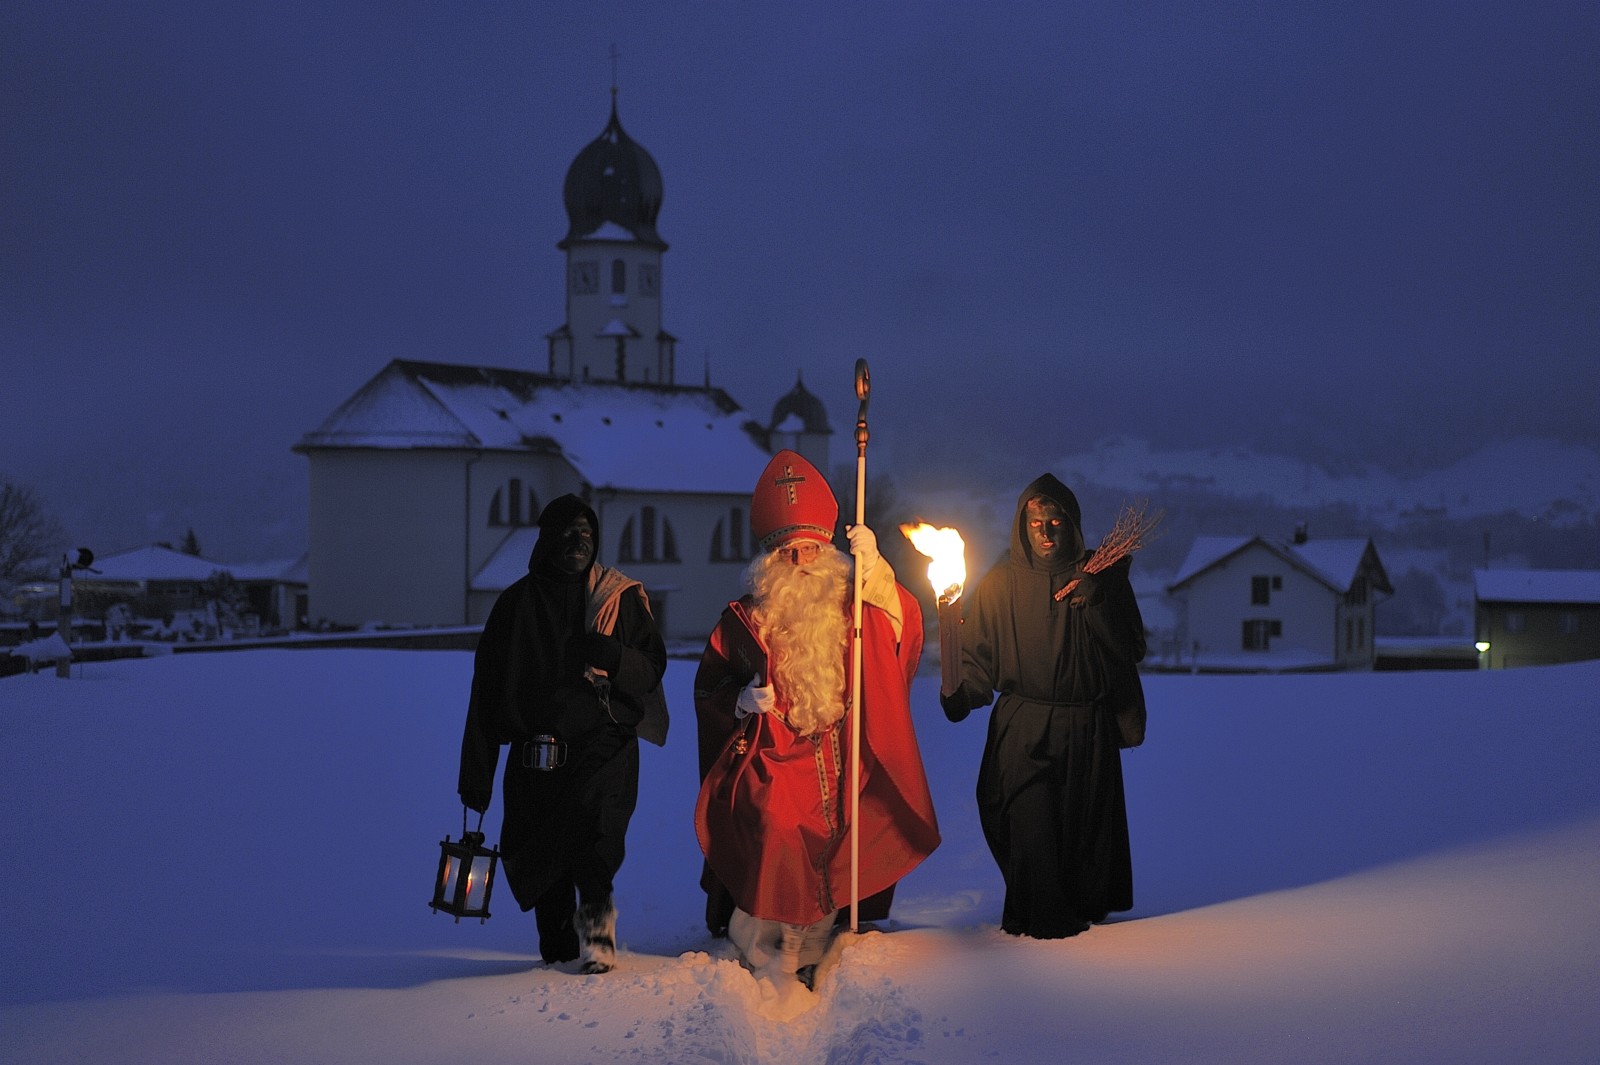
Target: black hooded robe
563	829
1050	796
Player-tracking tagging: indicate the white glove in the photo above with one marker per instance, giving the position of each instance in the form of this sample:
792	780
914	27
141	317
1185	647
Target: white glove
755	699
864	545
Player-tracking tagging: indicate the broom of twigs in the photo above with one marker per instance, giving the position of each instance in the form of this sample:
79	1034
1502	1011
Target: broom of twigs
1134	528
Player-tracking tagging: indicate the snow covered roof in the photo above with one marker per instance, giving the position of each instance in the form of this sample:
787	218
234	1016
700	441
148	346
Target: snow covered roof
1536	585
508	563
1334	562
609	231
157	563
1208	551
616	435
1339	561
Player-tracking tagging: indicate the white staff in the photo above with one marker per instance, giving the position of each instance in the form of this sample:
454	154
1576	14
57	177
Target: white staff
863	388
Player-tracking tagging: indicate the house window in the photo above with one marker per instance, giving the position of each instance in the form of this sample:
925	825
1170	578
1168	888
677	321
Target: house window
729	542
1355	633
1258	633
619	277
647	537
1516	621
1260	591
512	507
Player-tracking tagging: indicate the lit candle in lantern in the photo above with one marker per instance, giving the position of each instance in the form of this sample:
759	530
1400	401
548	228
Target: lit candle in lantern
466	877
947	572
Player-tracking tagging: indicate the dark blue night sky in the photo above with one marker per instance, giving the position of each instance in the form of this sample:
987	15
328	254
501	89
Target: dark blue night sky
1360	231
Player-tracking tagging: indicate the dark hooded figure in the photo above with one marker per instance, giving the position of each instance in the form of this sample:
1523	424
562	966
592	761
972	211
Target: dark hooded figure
1050	785
567	674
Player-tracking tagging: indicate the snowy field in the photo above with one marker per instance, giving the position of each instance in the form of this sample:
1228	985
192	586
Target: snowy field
220	858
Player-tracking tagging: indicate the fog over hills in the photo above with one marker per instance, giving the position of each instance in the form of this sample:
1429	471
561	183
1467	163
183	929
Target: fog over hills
1516	503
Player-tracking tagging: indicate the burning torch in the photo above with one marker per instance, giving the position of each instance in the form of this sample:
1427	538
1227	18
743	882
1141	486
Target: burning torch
947	571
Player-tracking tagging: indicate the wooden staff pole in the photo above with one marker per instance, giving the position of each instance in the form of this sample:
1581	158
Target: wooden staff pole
863	391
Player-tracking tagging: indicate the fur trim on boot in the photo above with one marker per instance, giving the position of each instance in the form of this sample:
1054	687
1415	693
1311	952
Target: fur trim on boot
597	932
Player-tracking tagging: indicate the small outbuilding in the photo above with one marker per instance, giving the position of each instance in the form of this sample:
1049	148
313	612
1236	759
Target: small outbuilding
157	580
1536	617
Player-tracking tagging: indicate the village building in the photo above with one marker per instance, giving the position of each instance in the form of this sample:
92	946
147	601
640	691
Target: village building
426	484
1534	617
1252	603
157	583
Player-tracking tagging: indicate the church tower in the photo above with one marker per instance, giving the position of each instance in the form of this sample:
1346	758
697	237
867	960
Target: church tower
613	328
800	424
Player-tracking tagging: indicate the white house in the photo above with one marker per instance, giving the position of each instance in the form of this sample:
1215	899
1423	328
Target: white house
160	578
425	485
1263	603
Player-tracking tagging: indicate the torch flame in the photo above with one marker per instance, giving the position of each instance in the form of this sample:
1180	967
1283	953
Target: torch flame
948	570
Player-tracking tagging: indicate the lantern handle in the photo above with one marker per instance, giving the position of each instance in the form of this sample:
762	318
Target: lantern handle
464	822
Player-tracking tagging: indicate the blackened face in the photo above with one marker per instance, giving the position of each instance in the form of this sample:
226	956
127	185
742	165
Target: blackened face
575	546
1047	529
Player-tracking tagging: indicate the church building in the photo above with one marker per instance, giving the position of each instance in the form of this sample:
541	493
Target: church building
426	484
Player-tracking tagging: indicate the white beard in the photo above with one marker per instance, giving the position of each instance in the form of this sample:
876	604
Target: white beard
800	617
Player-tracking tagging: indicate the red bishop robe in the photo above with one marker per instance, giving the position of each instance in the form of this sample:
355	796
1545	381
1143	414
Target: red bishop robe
774	806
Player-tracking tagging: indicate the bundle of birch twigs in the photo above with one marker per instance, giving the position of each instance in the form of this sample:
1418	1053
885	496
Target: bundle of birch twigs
1134	528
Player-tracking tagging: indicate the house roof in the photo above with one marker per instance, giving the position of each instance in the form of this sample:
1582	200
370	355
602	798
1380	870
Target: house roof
157	563
1335	563
1536	585
508	563
616	435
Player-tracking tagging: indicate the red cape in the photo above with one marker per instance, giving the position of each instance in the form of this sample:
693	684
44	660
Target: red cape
775	839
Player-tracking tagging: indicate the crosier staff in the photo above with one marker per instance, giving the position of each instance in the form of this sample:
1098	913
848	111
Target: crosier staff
863	391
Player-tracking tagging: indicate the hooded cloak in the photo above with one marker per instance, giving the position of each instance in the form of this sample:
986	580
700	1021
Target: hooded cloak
1050	796
530	677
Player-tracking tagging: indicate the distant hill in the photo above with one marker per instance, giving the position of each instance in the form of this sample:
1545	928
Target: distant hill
1515	503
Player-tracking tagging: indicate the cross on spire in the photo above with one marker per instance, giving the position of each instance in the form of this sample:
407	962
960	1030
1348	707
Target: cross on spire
615	55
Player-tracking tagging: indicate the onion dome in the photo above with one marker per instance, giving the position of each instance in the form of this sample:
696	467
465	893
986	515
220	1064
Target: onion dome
799	411
613	180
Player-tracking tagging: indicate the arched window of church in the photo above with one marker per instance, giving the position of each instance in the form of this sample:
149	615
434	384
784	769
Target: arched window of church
625	552
512	507
647	537
728	539
619	276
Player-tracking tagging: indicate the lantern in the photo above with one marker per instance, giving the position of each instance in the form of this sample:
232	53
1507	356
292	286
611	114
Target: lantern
466	874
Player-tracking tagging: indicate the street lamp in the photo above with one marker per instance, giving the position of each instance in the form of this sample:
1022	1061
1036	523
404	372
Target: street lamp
84	560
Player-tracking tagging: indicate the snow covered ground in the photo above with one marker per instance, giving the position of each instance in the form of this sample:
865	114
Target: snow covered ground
227	858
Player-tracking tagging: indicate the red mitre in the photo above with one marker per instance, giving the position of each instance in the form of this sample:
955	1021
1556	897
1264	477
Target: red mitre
792	501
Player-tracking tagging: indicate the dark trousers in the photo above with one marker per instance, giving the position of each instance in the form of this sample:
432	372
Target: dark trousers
554	911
